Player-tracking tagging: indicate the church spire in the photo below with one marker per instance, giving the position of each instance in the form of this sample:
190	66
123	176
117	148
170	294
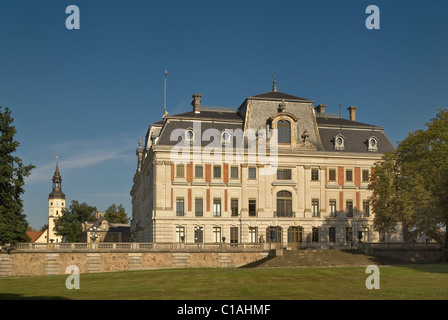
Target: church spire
57	183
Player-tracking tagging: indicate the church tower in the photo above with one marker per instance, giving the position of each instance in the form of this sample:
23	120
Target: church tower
56	202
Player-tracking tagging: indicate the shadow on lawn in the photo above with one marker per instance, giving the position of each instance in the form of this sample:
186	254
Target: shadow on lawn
14	296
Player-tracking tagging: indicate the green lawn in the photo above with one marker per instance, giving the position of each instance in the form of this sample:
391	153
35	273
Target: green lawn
396	282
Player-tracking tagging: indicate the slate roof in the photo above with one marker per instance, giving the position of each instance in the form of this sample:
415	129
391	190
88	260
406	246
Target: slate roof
274	95
356	135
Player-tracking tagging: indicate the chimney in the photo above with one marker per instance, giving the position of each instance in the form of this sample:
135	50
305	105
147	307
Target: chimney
196	103
352	113
320	109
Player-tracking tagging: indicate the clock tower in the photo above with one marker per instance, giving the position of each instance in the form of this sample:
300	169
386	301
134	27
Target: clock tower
56	202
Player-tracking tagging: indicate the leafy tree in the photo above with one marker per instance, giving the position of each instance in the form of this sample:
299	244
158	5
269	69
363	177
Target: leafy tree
69	225
410	186
13	224
116	215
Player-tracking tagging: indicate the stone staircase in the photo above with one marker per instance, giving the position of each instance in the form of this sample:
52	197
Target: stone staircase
321	258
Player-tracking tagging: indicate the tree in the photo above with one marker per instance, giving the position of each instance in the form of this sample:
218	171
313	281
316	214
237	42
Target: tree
69	225
13	224
115	215
410	186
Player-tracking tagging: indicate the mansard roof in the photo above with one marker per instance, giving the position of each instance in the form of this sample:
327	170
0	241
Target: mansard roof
275	95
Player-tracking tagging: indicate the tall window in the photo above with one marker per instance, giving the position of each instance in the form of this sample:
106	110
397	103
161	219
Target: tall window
180	234
349	208
366	207
252	208
217	207
314	174
233	234
315	207
284	204
198	171
332	175
216	172
332	208
233	172
365	176
348	234
198	207
198	234
180	206
295	234
315	235
253	235
180	171
252	173
284	131
216	234
332	234
234	207
349	175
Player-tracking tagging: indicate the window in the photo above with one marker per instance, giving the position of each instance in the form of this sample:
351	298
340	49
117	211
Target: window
349	175
198	171
234	172
365	176
295	234
314	174
332	175
349	208
274	234
339	141
198	234
216	234
180	234
253	235
252	173
284	131
315	207
284	204
217	207
252	208
366	208
372	144
180	207
349	234
332	208
198	207
180	171
315	235
233	234
234	207
284	174
225	137
332	234
216	172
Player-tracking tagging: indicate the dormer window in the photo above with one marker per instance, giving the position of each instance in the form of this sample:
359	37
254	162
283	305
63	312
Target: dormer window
284	131
372	144
339	142
225	137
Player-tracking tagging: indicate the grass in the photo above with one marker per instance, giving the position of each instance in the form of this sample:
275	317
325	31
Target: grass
410	282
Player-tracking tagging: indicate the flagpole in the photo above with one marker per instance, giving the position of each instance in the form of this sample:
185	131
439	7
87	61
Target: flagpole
164	96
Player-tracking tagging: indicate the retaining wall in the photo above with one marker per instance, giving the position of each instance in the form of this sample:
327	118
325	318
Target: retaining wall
19	263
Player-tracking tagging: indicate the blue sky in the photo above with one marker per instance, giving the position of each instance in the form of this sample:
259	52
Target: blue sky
87	95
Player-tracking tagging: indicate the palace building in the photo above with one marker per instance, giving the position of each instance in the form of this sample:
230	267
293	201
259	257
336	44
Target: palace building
276	169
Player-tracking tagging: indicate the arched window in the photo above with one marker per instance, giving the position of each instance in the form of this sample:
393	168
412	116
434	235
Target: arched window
284	204
284	131
295	235
274	234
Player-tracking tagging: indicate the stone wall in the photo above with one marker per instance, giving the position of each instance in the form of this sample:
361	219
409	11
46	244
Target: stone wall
20	263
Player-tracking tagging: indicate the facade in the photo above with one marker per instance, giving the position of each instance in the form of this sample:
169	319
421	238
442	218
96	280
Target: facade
276	169
56	203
